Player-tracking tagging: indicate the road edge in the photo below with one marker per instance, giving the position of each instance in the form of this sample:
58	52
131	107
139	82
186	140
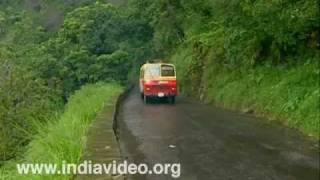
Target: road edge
120	99
106	119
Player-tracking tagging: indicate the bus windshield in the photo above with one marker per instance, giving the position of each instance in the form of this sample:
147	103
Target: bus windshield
155	71
152	71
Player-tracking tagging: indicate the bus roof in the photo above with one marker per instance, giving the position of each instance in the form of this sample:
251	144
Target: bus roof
157	63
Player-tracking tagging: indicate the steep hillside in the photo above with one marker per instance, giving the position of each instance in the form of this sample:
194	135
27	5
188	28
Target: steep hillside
50	49
258	56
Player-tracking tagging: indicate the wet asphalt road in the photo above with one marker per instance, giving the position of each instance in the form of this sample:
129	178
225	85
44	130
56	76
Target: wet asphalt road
212	143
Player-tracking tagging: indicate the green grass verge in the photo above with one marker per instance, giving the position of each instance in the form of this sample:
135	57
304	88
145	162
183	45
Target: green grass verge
65	138
289	94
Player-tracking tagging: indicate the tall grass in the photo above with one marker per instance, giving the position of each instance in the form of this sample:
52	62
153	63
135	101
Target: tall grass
289	93
65	138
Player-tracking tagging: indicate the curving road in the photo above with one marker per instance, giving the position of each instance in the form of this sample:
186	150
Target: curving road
212	143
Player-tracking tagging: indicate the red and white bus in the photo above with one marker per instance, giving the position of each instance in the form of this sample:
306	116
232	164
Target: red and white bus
158	80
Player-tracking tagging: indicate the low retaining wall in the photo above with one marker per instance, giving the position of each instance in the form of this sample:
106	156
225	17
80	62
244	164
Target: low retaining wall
102	143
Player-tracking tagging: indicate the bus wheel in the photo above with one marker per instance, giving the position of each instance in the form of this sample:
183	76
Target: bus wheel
172	99
146	99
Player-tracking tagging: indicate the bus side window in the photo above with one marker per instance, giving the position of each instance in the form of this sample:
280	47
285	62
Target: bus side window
142	74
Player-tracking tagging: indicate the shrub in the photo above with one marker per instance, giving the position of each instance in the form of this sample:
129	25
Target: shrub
64	139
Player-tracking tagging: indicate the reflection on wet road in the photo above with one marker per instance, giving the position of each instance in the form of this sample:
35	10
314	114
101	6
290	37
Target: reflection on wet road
212	143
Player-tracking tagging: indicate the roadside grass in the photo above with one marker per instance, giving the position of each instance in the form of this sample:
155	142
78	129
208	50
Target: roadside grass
64	140
289	94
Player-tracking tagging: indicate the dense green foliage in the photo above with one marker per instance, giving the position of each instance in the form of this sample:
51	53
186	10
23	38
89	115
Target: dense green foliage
96	43
257	54
43	64
25	98
249	31
243	54
28	100
64	139
288	93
